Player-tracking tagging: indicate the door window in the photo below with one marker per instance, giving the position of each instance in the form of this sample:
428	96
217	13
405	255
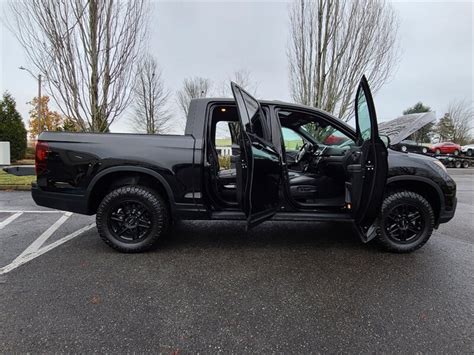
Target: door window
253	119
326	135
363	116
291	139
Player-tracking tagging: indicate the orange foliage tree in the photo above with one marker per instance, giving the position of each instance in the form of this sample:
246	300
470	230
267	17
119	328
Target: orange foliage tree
50	120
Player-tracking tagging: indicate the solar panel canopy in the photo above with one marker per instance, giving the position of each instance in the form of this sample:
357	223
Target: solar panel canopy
402	127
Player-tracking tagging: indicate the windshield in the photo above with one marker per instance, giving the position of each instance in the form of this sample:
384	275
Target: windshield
326	136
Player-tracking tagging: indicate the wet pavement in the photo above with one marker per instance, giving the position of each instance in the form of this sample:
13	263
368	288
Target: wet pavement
283	287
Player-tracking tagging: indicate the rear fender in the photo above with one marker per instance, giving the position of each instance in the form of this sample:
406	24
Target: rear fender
132	169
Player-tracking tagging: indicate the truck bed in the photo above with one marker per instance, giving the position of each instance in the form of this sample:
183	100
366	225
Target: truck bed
75	162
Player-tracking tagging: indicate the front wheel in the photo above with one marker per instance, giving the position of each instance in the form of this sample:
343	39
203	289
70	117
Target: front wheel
456	152
437	152
132	219
405	223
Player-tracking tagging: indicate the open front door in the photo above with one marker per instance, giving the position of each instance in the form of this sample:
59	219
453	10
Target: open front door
369	173
259	165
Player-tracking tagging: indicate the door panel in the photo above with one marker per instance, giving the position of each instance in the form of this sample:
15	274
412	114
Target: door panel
369	171
259	166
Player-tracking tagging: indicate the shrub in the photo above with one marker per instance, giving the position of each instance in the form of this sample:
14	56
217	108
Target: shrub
30	153
224	162
12	128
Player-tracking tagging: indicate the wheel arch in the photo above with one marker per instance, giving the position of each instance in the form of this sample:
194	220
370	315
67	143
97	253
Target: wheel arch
115	177
421	185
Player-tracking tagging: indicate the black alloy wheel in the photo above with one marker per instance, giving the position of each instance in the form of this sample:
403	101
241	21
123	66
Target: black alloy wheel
405	223
130	221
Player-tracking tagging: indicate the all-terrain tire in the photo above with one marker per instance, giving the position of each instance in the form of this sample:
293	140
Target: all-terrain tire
415	202
156	211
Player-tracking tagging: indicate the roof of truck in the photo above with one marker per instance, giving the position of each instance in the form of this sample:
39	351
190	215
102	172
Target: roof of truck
265	102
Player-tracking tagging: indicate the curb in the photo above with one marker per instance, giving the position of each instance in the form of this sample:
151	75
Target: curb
15	187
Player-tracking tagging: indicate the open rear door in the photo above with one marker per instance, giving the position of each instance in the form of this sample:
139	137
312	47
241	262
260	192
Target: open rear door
369	173
259	165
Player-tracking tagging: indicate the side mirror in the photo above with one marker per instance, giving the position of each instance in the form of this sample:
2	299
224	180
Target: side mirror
386	140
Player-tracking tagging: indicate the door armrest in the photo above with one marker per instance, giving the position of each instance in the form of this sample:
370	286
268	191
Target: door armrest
354	168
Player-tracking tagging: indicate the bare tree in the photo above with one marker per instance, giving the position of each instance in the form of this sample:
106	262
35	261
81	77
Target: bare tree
333	43
462	116
193	88
243	78
150	99
86	50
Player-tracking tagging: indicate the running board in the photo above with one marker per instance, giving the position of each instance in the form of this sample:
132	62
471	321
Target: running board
286	216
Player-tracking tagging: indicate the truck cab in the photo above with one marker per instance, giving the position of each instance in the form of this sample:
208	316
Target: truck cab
332	173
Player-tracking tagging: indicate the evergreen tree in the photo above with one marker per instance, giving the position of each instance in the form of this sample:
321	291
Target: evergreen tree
12	128
423	135
445	128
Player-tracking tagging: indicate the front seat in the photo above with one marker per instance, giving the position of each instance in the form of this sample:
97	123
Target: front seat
302	186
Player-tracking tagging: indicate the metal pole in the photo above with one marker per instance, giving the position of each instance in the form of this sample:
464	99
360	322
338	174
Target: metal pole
39	104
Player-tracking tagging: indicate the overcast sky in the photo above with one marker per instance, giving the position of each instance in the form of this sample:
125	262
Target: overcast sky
213	39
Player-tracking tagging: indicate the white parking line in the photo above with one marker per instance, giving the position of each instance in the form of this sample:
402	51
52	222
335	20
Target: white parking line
36	248
28	257
31	211
10	219
33	247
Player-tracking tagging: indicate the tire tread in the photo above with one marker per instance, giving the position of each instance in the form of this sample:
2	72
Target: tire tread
158	204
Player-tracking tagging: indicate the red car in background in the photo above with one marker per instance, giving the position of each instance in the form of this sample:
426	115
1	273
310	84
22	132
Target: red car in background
446	148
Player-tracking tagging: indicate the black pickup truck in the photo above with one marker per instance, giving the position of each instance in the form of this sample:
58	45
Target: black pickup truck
287	162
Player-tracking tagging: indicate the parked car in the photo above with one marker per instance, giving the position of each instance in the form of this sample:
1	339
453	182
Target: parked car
468	149
137	185
410	146
446	148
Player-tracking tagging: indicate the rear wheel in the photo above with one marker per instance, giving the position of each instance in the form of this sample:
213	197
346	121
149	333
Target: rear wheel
456	152
437	151
469	152
405	223
465	164
424	150
131	219
404	148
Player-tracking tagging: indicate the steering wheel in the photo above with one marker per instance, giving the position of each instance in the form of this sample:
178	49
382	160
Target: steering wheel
302	152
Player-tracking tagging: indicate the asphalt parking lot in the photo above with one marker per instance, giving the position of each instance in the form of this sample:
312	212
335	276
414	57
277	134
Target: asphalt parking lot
283	287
